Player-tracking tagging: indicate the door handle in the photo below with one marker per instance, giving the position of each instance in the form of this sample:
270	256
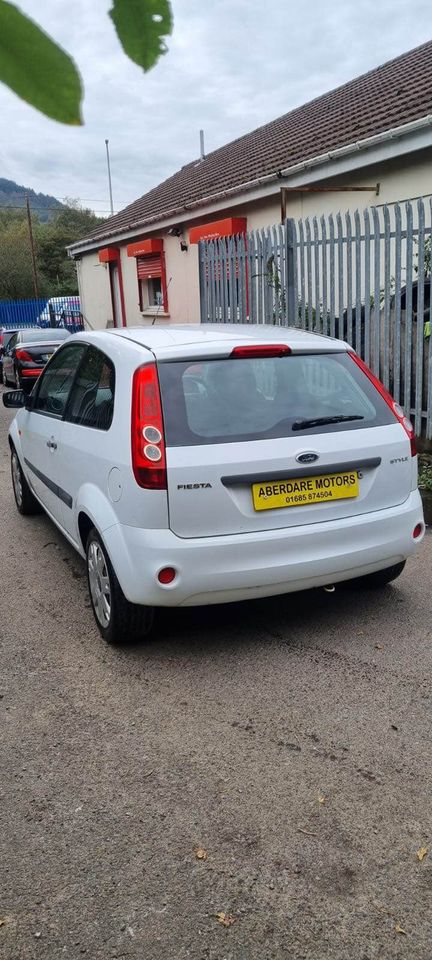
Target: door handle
51	445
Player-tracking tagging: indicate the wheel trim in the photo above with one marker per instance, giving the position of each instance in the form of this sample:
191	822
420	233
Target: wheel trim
16	480
17	380
99	583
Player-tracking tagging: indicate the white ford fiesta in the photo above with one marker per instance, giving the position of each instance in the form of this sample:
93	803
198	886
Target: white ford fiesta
204	464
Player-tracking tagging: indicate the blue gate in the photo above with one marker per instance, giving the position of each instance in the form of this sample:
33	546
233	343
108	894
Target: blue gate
45	312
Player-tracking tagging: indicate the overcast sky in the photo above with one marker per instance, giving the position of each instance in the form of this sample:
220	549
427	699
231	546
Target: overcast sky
232	65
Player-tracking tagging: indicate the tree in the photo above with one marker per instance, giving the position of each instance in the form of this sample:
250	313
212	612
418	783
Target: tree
16	278
45	76
57	269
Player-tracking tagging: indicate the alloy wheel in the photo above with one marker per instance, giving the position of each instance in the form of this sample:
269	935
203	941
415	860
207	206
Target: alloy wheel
16	480
99	583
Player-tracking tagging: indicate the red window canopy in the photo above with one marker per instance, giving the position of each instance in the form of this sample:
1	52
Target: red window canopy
145	248
109	255
219	228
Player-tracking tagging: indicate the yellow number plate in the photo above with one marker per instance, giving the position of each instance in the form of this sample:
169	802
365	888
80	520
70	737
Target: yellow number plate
301	491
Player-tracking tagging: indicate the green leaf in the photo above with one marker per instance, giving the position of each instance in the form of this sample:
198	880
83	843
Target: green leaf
141	26
35	68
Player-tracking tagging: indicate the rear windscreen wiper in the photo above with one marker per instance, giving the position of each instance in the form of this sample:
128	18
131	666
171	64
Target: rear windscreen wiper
322	421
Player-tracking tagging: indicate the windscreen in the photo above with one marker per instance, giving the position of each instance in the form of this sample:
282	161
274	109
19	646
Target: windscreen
222	401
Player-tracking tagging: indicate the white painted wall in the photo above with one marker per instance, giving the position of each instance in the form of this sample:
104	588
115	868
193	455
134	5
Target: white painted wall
94	289
403	179
130	289
183	279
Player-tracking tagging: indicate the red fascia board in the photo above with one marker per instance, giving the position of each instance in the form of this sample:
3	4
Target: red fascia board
109	255
144	247
219	228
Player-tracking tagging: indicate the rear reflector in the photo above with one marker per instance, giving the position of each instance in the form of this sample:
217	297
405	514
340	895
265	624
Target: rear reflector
261	350
166	575
418	530
148	458
34	372
394	407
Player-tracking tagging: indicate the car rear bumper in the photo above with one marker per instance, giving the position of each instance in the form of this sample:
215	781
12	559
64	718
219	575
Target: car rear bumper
224	569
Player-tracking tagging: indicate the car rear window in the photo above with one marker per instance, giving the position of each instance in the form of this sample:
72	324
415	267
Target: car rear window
222	401
36	336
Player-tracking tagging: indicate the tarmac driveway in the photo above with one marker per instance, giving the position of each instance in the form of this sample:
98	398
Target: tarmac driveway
252	783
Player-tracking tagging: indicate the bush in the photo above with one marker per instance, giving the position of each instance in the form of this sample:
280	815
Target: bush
425	472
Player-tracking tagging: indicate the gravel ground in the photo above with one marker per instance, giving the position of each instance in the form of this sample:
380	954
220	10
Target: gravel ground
289	738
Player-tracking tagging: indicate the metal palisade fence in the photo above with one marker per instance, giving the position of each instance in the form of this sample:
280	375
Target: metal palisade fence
362	277
43	312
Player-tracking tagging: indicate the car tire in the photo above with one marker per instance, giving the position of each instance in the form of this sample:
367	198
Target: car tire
373	581
119	621
25	500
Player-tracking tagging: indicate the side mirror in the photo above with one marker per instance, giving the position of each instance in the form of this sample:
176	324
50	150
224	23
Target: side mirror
14	398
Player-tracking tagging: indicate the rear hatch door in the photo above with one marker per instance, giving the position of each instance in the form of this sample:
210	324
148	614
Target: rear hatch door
273	442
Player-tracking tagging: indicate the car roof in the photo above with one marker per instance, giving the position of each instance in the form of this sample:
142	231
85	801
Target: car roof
52	331
191	340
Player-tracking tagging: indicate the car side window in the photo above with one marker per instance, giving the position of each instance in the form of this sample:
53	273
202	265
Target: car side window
55	382
91	403
12	343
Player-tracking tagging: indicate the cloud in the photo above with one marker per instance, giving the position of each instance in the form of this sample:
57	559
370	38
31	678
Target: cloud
232	65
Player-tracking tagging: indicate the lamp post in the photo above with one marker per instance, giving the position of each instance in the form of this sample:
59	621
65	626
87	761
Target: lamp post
109	176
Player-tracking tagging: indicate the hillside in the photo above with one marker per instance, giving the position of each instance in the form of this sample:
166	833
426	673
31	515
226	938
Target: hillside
13	195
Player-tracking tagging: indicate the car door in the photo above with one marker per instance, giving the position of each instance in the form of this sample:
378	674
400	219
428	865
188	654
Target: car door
8	365
88	452
41	430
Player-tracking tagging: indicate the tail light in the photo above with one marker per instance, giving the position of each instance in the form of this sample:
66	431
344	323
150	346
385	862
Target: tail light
148	445
394	407
23	355
253	350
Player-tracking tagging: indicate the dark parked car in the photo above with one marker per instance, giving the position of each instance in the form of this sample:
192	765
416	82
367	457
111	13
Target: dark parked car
5	335
26	354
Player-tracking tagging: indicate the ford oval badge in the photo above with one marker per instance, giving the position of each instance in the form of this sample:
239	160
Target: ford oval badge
307	457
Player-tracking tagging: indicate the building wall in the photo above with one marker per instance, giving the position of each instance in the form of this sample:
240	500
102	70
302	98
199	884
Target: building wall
130	288
94	289
399	180
403	179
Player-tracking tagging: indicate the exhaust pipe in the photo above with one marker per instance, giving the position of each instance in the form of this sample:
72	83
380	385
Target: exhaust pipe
330	588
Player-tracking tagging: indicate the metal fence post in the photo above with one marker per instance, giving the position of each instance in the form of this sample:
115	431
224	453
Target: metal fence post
290	247
202	283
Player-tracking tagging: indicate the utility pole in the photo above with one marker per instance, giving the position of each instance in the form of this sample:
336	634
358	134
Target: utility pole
32	250
109	177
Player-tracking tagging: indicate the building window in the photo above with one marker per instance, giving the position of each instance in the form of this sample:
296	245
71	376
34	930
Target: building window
152	282
151	293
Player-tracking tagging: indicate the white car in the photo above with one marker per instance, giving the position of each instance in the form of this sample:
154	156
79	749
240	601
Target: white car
207	464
